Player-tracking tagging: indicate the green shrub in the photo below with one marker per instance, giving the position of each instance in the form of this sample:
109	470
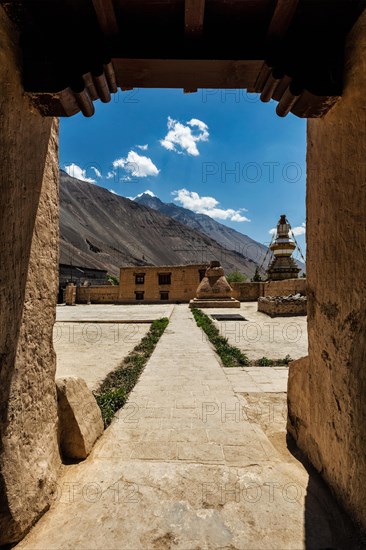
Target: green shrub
112	279
109	402
236	277
265	362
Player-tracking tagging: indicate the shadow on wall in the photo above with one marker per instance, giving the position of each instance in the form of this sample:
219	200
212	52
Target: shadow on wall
327	526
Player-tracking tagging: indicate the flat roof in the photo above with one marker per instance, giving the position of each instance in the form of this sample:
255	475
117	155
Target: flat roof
140	268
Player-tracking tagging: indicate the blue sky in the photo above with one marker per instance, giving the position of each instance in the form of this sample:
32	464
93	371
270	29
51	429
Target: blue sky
225	153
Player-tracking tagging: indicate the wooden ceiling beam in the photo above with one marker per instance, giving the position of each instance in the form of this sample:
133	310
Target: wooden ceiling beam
194	13
281	19
187	74
104	10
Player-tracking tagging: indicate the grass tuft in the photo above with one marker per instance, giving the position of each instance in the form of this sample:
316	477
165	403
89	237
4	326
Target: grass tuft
230	356
265	362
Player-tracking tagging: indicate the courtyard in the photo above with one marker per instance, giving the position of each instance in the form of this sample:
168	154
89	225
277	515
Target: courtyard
199	456
90	341
198	451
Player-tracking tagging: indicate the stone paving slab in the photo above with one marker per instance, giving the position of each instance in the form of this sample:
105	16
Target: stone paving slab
91	341
91	351
258	379
201	475
110	312
262	336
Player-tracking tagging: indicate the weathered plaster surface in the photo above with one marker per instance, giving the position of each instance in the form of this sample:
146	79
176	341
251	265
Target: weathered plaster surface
29	456
327	406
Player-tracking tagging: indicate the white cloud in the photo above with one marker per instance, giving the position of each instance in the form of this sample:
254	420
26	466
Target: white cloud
299	230
201	125
143	147
75	171
272	231
185	138
208	205
111	175
136	165
97	172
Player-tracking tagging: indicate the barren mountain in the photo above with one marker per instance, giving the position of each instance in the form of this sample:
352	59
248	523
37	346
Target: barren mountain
226	236
102	230
229	238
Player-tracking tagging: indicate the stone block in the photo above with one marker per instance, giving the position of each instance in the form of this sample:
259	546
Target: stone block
283	306
80	419
223	303
70	294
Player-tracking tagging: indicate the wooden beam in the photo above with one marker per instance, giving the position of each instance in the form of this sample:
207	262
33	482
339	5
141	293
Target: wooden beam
262	77
106	17
269	88
281	19
288	100
101	86
194	13
186	73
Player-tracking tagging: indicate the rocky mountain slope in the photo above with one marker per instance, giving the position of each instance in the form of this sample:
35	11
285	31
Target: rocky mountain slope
102	230
229	238
226	236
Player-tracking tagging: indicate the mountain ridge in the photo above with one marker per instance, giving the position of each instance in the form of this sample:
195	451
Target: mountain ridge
104	230
228	237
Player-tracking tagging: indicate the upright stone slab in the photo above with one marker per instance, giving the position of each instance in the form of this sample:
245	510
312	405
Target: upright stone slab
80	419
327	392
70	294
29	456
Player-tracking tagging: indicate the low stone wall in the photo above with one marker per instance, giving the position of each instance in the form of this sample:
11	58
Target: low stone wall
283	306
250	292
247	292
97	294
285	287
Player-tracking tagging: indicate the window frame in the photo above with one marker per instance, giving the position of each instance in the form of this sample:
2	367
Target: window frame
142	275
167	275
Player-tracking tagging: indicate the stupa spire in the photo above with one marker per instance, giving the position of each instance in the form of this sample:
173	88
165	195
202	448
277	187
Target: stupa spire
283	266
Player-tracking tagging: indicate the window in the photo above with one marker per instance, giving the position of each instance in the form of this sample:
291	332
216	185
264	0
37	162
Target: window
202	273
139	295
164	295
165	278
139	278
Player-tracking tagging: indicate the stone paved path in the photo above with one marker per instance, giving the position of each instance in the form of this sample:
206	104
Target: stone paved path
187	466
